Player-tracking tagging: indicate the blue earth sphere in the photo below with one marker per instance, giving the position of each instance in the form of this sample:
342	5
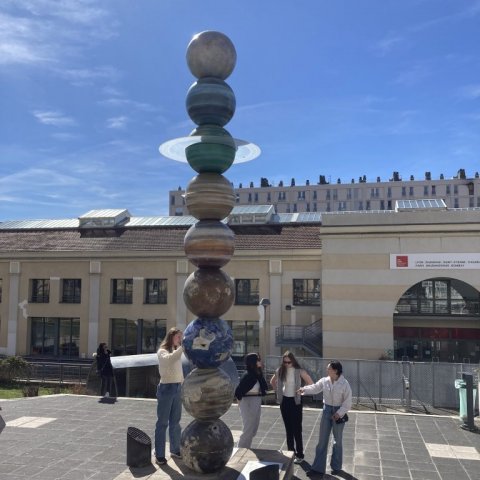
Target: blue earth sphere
208	342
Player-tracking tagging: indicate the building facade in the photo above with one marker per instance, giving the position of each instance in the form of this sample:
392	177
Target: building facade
457	192
387	284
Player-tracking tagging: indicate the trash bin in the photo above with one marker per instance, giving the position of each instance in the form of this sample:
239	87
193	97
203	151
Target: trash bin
461	385
139	448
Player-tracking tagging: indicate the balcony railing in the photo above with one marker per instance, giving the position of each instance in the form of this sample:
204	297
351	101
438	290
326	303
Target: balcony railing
309	337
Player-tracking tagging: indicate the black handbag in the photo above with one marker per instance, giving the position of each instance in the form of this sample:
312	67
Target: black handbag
342	419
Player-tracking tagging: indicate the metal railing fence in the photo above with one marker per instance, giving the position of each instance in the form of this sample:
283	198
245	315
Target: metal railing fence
54	372
378	383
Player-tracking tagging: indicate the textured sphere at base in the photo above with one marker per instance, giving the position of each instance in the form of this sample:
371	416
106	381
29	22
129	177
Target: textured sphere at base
209	292
209	196
211	54
207	393
209	243
207	446
207	342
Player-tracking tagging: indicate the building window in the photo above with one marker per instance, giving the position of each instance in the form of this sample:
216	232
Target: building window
269	197
411	191
434	190
57	337
455	189
122	290
314	194
389	204
455	203
470	202
342	206
71	290
255	197
294	207
335	194
132	337
172	200
315	206
40	290
249	197
245	339
308	206
247	291
404	191
425	189
382	204
306	291
367	205
156	290
448	189
389	192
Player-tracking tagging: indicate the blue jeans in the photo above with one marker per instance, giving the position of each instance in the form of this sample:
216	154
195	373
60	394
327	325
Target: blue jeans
169	412
327	425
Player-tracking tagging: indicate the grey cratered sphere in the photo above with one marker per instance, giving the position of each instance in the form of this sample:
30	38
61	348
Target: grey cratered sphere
211	54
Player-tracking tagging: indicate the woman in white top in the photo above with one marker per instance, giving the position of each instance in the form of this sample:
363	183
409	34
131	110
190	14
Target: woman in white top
286	382
169	401
337	400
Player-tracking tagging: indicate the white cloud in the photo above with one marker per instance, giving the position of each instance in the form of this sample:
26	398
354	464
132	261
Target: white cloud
389	43
45	32
88	76
415	75
117	122
470	91
56	119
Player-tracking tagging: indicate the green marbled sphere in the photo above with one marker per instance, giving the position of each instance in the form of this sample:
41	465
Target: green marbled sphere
207	393
211	54
214	152
210	101
209	292
209	243
209	196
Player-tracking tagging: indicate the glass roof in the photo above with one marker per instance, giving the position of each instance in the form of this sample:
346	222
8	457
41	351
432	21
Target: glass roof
425	204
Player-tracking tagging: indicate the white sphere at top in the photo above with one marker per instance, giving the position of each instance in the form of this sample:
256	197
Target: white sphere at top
211	54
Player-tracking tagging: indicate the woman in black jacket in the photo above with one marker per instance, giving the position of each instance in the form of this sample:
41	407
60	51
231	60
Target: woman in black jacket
249	393
104	369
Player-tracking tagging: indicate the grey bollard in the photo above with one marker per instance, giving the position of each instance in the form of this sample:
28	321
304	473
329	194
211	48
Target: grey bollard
139	448
470	423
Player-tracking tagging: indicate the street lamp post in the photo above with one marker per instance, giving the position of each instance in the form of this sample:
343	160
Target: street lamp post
264	302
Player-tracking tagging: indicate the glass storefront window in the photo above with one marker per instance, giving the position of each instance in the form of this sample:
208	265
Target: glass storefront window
130	337
55	337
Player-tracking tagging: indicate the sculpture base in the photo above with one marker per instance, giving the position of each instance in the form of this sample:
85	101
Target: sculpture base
232	471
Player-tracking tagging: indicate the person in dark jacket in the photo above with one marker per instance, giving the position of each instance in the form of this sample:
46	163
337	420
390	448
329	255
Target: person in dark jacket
249	393
104	369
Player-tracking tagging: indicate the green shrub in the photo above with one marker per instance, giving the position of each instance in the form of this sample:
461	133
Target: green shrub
12	368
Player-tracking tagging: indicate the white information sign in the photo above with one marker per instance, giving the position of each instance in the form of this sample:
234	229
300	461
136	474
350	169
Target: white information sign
434	261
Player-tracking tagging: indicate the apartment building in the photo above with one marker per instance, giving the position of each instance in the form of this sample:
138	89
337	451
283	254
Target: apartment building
359	195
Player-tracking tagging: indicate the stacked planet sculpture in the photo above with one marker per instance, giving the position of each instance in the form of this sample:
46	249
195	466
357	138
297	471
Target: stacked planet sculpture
207	392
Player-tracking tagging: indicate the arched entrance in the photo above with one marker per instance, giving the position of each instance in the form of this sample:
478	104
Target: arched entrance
438	319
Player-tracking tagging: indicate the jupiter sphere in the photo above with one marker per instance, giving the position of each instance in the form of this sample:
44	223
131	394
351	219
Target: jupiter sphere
209	196
209	243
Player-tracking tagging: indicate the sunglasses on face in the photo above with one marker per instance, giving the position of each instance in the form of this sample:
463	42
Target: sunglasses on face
287	362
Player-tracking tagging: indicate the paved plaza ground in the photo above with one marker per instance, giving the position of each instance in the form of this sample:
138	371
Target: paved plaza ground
80	437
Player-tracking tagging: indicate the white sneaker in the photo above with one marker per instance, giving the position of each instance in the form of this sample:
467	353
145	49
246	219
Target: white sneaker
107	394
298	460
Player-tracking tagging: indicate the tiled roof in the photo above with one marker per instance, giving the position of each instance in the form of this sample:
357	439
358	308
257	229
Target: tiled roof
153	239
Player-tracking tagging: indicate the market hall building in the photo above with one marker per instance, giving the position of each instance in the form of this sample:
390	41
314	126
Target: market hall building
398	284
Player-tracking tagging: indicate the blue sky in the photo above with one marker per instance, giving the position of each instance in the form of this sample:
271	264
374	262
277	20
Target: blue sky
343	88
